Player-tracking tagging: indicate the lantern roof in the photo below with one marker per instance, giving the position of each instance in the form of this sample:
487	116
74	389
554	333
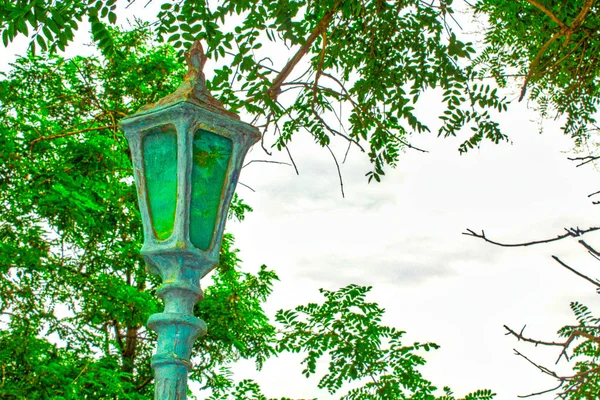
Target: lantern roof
193	88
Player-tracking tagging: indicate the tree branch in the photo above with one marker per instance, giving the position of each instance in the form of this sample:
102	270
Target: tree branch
262	137
61	135
243	184
589	248
358	107
564	344
582	14
584	160
536	61
571	232
561	379
538	366
547	12
337	165
118	338
321	27
593	194
144	383
285	146
565	30
81	372
579	274
520	336
266	161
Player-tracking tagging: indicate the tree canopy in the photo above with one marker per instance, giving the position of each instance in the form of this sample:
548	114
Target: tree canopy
366	54
375	57
70	226
71	235
75	295
552	48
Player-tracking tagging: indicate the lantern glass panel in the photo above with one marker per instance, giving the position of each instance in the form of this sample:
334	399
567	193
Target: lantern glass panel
160	170
211	155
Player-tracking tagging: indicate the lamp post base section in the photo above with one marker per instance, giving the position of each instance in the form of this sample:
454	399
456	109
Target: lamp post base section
171	378
171	363
177	329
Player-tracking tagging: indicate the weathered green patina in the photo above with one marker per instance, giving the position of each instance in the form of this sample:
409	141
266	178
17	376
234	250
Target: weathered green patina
187	155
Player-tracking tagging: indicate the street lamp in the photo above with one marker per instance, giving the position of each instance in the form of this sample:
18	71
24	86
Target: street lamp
187	153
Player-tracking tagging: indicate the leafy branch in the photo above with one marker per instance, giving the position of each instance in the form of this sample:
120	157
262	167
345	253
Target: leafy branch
564	30
71	133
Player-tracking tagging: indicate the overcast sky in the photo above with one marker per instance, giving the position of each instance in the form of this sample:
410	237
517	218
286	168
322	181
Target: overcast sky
403	237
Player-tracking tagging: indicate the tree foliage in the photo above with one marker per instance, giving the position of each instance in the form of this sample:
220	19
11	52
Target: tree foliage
71	234
374	59
348	332
586	382
75	295
553	48
70	226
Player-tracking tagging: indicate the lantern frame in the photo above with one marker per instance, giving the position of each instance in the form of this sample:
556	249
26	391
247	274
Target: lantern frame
187	118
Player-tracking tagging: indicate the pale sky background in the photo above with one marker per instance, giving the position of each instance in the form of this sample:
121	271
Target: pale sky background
403	237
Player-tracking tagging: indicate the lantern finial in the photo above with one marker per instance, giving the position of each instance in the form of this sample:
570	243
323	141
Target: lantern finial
196	58
193	88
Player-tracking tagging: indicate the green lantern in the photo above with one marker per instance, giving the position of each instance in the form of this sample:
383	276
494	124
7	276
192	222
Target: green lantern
187	153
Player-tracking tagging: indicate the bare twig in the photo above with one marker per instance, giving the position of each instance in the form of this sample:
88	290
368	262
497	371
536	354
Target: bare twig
562	379
593	194
287	149
538	366
520	336
243	184
570	232
542	392
579	274
530	340
589	248
338	170
291	159
584	160
346	154
266	161
262	137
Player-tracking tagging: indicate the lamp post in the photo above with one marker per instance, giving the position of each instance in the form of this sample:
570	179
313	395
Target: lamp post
187	153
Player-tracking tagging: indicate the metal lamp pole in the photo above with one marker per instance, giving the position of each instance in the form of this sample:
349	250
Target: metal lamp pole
187	153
